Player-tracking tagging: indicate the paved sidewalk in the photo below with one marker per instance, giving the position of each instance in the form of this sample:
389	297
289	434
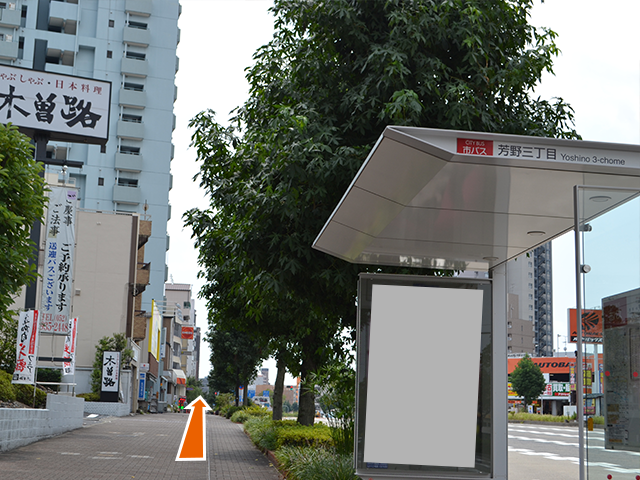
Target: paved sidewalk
142	447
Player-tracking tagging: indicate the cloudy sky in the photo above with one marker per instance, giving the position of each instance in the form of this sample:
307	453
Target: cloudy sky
598	73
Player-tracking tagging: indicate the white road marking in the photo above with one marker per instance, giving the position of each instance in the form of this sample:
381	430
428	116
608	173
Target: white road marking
542	440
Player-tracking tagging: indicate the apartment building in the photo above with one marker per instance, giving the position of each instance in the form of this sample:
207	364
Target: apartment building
529	278
132	44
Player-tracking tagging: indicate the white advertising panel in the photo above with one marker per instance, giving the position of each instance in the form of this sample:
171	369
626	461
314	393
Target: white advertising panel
69	368
26	348
57	285
62	104
110	371
155	323
413	331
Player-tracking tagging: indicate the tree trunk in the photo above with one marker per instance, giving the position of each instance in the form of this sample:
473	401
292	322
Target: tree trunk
278	391
307	405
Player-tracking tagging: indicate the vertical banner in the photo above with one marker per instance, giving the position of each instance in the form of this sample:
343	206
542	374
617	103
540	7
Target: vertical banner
155	323
27	348
69	368
58	261
141	385
110	376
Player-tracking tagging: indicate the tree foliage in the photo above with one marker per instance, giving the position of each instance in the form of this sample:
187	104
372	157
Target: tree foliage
321	92
116	343
527	380
22	202
234	357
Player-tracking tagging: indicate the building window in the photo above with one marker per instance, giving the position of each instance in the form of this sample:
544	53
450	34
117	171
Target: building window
530	317
530	275
101	181
530	307
128	182
531	285
109	54
126	149
136	55
111	23
140	25
138	87
531	296
125	117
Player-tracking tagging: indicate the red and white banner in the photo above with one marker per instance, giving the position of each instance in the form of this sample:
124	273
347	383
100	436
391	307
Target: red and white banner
27	348
69	368
187	333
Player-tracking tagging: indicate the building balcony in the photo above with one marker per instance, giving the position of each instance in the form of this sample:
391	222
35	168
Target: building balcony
132	98
9	50
63	10
144	232
142	274
130	130
126	194
134	67
9	18
136	36
139	326
138	7
128	163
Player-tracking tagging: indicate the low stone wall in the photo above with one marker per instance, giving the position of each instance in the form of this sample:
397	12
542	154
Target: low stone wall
113	409
22	426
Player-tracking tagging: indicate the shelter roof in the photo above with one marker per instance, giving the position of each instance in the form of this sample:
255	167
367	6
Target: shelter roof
470	200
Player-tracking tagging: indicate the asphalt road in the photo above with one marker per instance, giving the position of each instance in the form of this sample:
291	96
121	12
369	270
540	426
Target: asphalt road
541	452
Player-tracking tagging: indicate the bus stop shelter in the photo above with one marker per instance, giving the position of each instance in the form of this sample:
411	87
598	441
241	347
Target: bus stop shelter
471	201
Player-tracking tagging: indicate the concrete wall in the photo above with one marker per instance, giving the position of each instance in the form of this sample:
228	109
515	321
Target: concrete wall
114	409
22	426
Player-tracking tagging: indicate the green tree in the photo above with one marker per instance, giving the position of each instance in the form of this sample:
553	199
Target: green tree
527	380
8	337
321	92
194	389
235	357
22	202
116	343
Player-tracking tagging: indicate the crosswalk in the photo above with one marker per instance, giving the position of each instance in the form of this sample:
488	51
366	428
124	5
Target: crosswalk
561	444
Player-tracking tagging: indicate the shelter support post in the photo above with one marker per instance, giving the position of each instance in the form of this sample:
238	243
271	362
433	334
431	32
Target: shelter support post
579	363
499	277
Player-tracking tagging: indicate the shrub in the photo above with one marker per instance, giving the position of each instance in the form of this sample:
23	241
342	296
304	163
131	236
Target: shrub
246	413
306	463
271	435
89	397
262	432
24	394
318	435
231	410
7	392
50	375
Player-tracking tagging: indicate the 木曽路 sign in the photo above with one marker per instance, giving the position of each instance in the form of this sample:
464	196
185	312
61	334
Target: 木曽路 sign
67	108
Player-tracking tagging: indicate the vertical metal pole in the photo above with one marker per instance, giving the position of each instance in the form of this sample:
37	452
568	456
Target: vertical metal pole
579	368
498	275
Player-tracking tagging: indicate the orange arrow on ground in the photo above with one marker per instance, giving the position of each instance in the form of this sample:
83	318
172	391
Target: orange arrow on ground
194	439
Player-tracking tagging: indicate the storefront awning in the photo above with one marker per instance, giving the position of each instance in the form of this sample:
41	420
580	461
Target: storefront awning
469	200
180	377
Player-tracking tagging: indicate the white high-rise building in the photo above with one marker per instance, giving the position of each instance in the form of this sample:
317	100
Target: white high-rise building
131	43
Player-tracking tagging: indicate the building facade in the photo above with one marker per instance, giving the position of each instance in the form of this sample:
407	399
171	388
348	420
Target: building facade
132	44
529	278
179	295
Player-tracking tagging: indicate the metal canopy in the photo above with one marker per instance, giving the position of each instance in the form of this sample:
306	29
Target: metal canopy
469	200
